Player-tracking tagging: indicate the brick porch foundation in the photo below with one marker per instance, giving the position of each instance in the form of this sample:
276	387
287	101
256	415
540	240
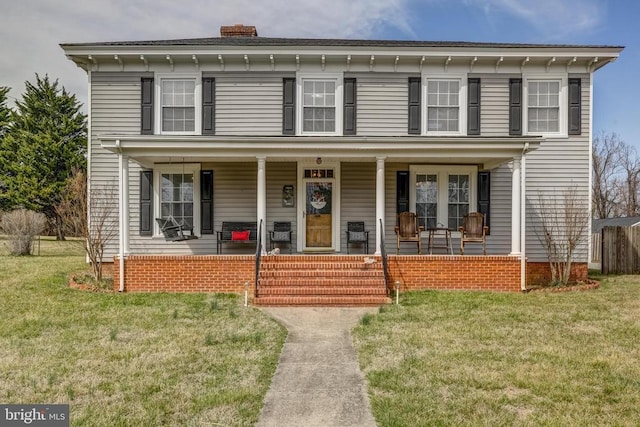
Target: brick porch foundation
228	273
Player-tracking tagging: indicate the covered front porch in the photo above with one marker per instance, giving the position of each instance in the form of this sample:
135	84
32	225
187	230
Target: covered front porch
268	180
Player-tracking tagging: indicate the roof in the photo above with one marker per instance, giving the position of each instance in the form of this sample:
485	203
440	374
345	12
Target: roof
598	224
269	41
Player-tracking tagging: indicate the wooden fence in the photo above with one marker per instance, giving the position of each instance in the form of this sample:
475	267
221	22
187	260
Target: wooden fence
596	248
620	250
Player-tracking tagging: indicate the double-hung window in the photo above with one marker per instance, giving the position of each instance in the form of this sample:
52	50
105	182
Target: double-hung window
445	105
546	108
320	100
442	195
178	194
179	108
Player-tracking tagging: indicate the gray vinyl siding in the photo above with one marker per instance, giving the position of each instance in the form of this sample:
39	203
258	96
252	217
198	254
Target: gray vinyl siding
557	165
494	105
279	175
249	104
382	104
115	108
358	194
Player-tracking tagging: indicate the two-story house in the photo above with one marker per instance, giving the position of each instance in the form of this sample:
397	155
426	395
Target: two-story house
318	133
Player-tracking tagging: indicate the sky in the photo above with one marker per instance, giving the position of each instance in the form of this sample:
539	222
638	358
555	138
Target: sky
31	31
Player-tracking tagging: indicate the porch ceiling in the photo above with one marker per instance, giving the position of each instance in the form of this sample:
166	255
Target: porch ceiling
486	151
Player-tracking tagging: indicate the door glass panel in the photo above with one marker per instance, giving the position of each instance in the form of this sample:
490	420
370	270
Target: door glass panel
427	199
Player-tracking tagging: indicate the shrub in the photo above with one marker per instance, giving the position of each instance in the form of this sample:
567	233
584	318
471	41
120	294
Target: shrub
22	226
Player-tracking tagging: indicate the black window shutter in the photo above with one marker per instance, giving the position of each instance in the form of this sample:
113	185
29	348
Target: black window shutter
484	195
575	107
402	191
289	106
146	203
515	106
414	105
146	103
206	202
349	118
473	107
208	106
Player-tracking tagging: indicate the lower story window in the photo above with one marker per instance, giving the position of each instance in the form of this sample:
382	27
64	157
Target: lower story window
442	195
178	194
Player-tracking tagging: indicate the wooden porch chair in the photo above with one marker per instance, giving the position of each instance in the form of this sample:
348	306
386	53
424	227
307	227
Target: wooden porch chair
281	234
408	230
474	230
174	231
357	234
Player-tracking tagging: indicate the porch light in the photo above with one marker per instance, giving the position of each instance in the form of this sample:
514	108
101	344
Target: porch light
318	160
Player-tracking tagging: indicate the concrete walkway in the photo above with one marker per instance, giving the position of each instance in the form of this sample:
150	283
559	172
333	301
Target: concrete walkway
318	381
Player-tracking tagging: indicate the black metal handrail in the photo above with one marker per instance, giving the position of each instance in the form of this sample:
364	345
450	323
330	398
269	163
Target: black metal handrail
383	253
258	256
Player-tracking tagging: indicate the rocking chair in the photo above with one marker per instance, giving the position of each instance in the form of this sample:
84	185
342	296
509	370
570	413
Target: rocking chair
408	230
174	231
473	231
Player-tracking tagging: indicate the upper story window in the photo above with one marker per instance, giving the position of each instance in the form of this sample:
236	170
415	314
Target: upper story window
179	109
546	106
445	105
319	99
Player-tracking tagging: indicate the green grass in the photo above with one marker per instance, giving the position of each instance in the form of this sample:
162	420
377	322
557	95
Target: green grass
489	359
129	359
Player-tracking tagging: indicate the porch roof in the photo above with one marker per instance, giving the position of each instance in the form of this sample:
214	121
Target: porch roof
488	152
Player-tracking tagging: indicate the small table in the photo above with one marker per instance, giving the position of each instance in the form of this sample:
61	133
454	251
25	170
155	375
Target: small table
440	233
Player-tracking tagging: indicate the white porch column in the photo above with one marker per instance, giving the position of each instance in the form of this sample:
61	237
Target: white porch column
123	204
262	199
515	207
379	201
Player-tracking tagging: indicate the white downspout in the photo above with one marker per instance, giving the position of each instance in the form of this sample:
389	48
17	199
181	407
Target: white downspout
121	223
523	225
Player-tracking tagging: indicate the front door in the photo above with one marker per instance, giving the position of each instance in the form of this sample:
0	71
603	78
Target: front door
318	214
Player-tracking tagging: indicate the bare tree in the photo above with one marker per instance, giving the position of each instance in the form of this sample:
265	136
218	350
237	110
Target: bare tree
629	181
607	151
100	210
561	227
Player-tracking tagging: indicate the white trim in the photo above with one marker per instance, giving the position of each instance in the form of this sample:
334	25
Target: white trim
338	78
462	103
197	99
443	173
589	230
563	101
158	170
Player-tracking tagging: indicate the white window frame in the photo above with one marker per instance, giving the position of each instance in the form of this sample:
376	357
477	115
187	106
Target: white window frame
338	78
197	101
563	101
443	172
193	168
462	103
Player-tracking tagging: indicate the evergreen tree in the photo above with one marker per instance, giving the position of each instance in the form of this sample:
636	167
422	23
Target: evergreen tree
46	141
5	114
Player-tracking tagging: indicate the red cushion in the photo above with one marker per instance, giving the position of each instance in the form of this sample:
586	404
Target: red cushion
240	235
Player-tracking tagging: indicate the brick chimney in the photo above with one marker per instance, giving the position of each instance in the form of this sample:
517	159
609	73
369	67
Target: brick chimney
238	30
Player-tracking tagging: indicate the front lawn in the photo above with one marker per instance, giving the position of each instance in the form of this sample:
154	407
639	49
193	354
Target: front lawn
475	358
129	359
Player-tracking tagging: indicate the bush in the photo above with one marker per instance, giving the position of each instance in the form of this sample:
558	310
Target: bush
21	227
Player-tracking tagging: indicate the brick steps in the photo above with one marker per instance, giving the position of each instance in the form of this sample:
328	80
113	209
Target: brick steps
324	280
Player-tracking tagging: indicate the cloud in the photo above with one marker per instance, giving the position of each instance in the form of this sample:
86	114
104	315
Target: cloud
553	19
31	30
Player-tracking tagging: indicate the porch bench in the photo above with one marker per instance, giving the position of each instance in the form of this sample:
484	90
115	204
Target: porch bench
231	229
